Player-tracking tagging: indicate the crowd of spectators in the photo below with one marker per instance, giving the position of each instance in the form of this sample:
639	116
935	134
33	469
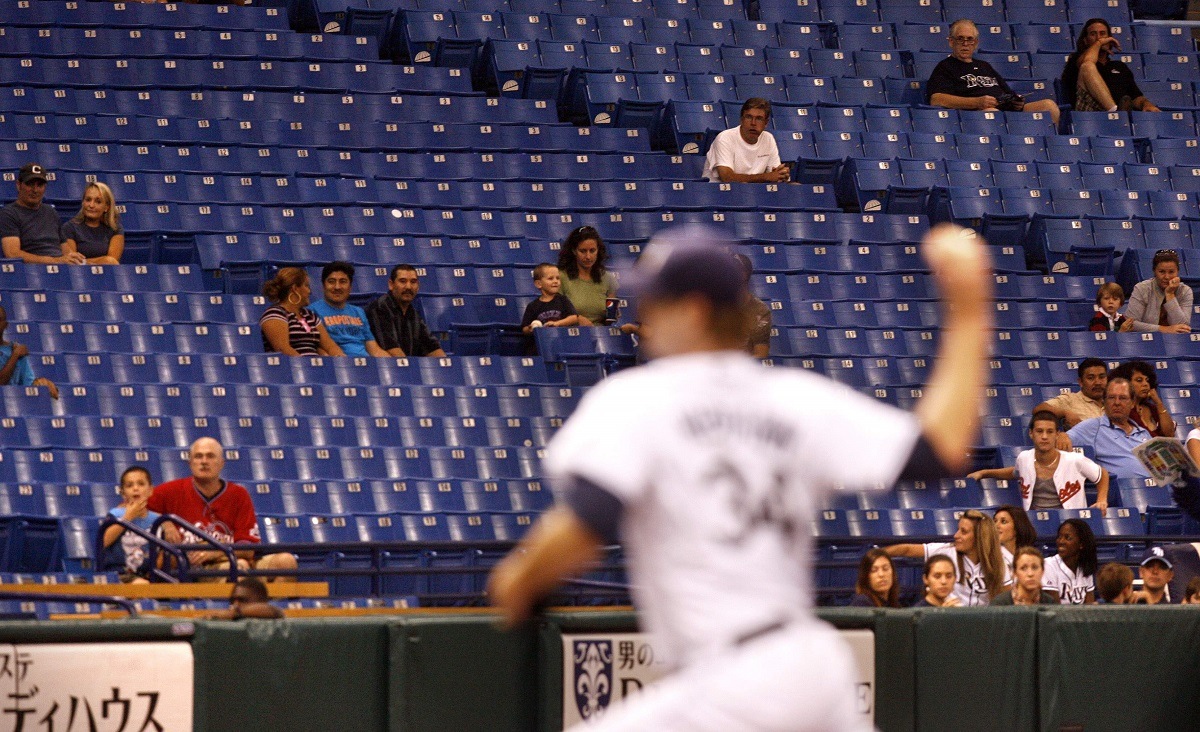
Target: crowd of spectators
975	569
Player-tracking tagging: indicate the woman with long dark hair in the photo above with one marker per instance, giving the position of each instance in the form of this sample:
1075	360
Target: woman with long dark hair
586	281
876	585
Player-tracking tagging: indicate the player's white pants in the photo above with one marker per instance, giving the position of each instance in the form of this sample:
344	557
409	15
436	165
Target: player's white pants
799	679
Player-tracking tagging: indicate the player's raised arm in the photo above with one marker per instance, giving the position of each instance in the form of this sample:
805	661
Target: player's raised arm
559	545
949	410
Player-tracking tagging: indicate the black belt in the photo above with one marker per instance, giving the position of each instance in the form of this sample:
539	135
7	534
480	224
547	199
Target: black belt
759	632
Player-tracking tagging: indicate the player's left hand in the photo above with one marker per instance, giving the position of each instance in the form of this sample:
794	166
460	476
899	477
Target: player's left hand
960	265
504	593
1101	506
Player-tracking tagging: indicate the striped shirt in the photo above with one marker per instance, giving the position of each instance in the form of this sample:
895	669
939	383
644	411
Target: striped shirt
302	329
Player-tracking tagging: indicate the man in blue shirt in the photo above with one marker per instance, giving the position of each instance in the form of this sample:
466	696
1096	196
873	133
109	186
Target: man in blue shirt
15	369
1112	436
347	324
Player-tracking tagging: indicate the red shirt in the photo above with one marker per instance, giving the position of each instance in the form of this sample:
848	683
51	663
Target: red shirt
228	516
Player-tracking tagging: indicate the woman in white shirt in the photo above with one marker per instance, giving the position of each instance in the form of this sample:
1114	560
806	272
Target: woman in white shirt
1070	573
984	568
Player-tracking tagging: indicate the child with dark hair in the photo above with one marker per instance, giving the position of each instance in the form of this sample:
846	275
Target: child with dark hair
1109	299
938	576
125	551
1071	572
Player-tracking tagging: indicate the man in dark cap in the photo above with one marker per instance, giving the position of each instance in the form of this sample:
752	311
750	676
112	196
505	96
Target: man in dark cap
29	228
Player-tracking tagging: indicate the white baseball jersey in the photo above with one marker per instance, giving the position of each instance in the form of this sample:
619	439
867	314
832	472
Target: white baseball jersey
969	585
730	150
1072	587
1069	475
718	463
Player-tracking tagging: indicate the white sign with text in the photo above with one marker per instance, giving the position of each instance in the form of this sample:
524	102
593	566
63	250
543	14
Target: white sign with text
600	669
105	687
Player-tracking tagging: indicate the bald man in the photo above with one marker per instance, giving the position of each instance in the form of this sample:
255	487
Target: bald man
218	507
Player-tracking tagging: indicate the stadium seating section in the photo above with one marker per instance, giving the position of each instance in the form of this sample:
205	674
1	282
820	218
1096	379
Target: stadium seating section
468	137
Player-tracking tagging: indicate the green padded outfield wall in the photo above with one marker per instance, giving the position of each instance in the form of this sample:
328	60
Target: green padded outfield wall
1011	668
1120	668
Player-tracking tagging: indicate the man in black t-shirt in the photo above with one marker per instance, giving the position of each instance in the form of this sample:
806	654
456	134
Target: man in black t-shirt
1094	81
30	230
961	81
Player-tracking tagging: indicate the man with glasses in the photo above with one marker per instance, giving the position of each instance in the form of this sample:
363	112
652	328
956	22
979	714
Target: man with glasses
29	229
962	81
747	153
1112	436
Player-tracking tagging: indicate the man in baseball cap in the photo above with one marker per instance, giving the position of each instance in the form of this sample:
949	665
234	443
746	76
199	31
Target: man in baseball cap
689	275
1156	571
30	230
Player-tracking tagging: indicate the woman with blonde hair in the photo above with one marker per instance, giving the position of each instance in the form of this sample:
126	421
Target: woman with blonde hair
96	231
984	566
288	326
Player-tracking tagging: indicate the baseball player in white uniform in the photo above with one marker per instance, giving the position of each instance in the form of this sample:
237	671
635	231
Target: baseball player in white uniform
708	467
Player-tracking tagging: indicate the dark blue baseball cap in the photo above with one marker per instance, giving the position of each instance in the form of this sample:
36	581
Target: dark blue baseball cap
689	260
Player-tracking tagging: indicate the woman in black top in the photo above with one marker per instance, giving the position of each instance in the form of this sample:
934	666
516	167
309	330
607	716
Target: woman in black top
876	585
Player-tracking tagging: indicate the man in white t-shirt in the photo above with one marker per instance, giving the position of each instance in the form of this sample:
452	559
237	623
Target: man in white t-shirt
747	153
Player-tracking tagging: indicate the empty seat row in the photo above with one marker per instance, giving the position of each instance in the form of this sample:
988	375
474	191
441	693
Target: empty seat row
208	400
183	16
292	76
965	202
888	11
813	342
247	431
270	368
125	42
175	105
250	464
94	278
1109	179
600	92
44	304
544	196
868	11
423	527
978	148
288	497
383	136
108	161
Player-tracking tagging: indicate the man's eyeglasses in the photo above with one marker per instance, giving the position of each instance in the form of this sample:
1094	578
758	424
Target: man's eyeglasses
965	39
1164	251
